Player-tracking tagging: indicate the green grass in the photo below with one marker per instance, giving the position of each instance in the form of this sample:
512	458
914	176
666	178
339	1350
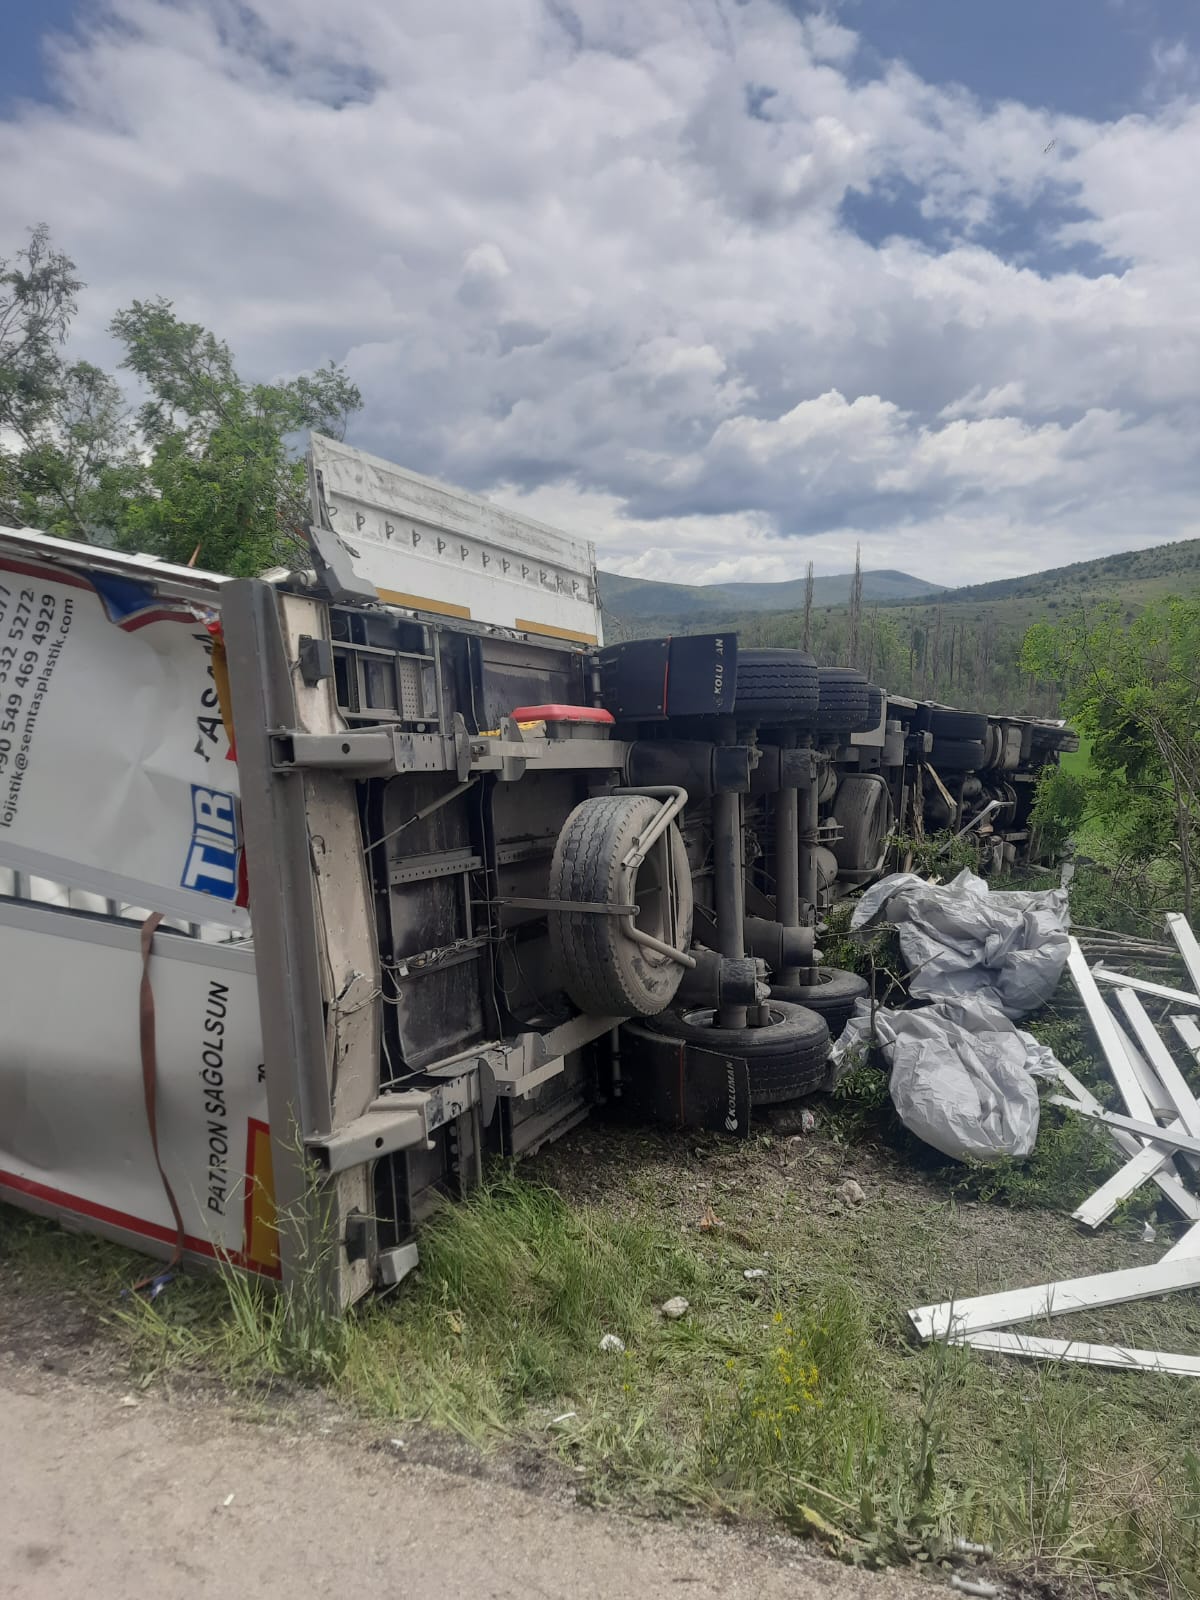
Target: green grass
1078	762
796	1399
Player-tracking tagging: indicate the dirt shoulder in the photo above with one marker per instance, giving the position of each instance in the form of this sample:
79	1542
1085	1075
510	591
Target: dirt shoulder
181	1499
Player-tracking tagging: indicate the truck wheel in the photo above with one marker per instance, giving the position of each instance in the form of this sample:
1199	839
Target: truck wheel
778	683
874	714
604	971
786	1058
845	698
863	807
833	995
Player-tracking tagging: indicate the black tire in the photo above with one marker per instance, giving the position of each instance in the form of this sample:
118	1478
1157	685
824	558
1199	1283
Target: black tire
874	714
863	807
833	996
604	971
993	746
845	698
786	1059
958	755
958	724
781	684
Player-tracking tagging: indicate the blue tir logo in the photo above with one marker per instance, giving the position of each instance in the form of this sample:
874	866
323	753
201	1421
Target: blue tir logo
212	861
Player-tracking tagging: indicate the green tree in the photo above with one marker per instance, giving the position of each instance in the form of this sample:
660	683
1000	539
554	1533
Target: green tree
223	485
66	449
204	470
1134	688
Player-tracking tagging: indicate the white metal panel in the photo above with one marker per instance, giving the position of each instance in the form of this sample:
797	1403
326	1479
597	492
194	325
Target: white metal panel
185	582
74	1138
436	549
115	769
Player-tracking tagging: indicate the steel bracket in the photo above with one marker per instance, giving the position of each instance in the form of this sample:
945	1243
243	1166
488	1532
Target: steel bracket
400	1121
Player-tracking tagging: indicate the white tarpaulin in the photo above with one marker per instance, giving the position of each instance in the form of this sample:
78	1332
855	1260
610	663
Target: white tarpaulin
74	1135
115	767
960	939
963	1077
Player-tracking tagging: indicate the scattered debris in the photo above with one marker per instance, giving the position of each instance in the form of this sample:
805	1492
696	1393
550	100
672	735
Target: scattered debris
127	1400
975	1586
611	1344
793	1119
1161	1122
963	940
674	1308
963	1076
852	1192
965	1547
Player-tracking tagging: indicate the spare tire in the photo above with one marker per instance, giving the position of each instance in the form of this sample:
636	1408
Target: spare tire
779	684
958	724
958	755
833	995
786	1058
602	969
863	808
845	698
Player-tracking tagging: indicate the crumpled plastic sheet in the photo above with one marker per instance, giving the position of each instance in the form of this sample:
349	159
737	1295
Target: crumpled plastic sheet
1007	947
963	1078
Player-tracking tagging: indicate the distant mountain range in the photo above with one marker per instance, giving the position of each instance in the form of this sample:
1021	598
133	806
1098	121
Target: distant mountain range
633	599
962	645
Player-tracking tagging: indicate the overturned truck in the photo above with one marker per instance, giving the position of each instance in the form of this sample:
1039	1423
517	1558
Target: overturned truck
317	888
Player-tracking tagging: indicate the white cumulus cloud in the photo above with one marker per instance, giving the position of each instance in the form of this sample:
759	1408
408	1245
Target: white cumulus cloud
596	257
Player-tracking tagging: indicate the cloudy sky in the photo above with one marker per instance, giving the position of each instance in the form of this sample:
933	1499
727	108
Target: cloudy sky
725	285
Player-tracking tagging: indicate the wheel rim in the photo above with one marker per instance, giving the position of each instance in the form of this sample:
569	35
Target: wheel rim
649	895
706	1018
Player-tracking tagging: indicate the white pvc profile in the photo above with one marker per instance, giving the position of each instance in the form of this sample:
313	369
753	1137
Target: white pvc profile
1149	1131
1161	1061
953	1318
1098	1207
1180	930
1188	1245
1182	1199
1109	1035
1160	1101
1160	991
1189	1031
1087	1355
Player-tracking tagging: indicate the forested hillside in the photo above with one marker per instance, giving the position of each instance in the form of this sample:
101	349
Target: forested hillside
964	646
